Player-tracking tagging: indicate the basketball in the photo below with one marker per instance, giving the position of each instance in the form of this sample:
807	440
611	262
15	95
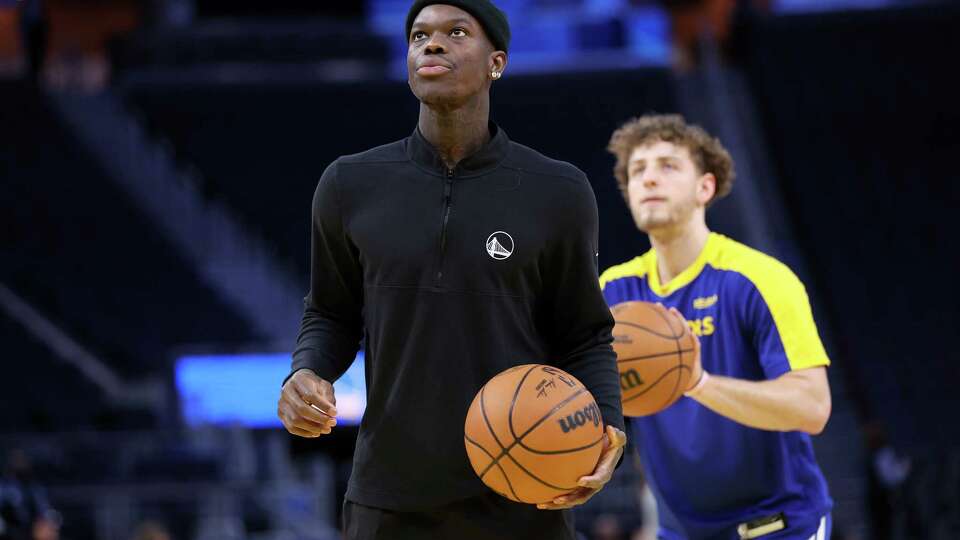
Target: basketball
654	355
532	431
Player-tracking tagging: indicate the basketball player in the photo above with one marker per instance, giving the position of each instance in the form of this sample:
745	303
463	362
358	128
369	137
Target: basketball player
455	253
732	459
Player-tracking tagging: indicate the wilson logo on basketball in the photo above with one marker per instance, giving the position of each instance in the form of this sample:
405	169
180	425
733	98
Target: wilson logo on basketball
630	379
622	338
590	413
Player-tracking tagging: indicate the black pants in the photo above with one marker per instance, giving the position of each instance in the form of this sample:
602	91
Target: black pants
485	517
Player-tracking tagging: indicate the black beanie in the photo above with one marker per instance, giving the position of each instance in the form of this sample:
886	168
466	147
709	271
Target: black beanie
493	20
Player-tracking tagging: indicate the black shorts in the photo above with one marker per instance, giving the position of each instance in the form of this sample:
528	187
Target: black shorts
485	517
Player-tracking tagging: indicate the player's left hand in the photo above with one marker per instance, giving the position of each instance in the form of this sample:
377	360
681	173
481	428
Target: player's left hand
613	442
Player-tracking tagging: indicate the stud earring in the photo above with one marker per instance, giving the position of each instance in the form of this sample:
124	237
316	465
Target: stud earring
495	74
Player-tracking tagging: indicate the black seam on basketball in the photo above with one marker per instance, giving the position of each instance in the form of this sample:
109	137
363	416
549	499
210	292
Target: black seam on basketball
568	451
513	402
478	445
649	356
683	330
538	479
650	330
503	472
666	319
506	478
483	411
676	383
654	383
505	450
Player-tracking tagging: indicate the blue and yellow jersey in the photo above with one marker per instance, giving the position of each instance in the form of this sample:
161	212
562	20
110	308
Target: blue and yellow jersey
754	322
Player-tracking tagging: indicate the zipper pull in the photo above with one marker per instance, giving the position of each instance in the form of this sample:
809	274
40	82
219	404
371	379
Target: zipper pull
448	187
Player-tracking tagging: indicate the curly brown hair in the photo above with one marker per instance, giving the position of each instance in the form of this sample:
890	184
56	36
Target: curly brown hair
707	152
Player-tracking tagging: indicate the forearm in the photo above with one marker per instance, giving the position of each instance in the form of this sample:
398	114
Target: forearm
783	404
576	316
332	324
596	368
325	346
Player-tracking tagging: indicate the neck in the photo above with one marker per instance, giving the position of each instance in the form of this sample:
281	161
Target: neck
459	132
678	247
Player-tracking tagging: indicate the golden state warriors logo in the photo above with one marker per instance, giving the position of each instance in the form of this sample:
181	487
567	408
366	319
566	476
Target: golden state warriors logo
500	245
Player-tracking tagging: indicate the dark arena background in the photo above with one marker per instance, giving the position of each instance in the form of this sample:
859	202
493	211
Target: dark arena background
157	162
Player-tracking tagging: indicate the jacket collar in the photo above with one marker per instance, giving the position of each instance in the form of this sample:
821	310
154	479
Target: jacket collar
422	153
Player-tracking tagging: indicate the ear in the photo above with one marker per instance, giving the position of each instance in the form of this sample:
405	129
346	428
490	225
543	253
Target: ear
706	188
498	61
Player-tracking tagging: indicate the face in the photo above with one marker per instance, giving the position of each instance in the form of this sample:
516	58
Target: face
665	188
45	529
449	57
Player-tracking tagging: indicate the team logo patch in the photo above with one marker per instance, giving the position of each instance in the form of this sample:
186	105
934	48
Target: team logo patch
704	302
500	245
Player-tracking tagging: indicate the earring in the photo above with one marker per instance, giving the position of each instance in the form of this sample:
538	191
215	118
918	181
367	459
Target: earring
495	74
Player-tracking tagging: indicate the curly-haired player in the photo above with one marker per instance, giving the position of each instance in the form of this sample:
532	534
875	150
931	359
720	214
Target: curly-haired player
734	458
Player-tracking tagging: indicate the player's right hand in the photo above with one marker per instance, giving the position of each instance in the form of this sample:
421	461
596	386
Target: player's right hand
697	368
307	405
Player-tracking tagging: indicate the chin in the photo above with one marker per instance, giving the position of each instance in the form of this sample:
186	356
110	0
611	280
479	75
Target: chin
650	224
437	94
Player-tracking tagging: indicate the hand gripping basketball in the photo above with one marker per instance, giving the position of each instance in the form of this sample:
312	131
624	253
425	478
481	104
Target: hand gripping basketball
533	433
696	368
657	356
307	406
613	442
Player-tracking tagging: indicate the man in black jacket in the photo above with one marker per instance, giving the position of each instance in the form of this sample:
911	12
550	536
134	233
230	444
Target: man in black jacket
455	253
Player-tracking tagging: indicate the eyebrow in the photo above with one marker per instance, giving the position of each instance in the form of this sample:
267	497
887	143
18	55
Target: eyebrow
454	22
658	158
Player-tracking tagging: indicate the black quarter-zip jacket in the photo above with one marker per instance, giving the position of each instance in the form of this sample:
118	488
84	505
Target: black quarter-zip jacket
450	277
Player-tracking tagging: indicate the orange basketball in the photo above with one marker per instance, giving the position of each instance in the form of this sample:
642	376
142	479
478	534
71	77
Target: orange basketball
654	354
532	432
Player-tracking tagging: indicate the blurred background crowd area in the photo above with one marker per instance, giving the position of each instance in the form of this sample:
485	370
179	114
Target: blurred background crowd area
157	160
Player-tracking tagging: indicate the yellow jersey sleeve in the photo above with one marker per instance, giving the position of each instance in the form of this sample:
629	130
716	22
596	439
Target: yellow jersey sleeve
789	307
782	318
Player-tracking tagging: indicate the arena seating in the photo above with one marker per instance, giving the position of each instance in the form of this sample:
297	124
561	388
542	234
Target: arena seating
77	249
257	145
866	150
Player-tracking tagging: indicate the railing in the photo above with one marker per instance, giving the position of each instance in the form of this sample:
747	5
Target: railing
232	260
